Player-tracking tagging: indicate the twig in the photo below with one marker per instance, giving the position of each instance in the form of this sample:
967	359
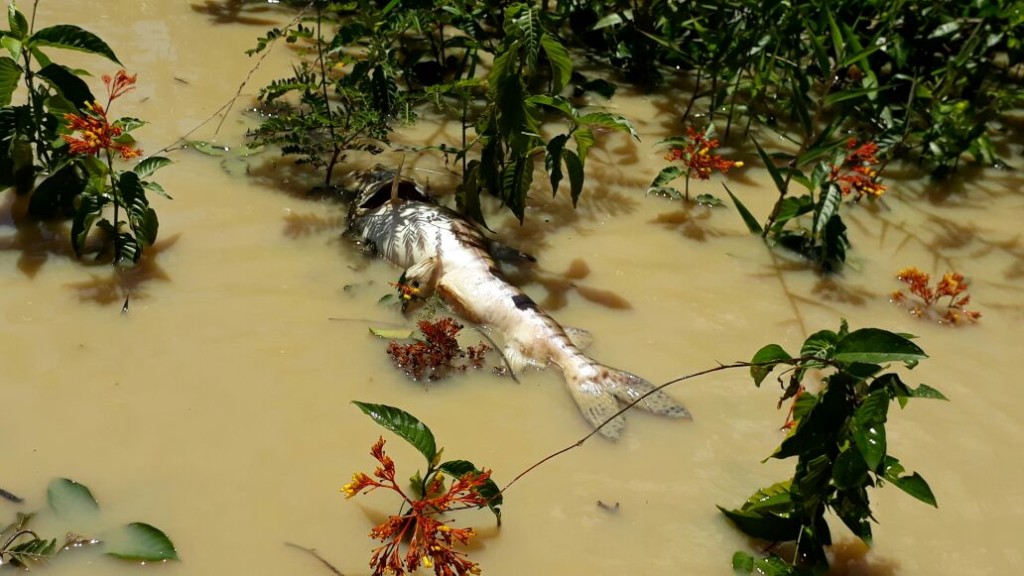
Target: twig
500	352
316	555
624	409
12	497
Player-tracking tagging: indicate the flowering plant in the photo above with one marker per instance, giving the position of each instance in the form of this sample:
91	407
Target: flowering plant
952	286
696	153
96	140
427	540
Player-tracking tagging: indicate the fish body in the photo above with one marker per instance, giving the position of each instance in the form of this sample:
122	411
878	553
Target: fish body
442	251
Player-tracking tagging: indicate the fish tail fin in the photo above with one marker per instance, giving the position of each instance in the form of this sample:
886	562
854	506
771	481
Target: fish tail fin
599	389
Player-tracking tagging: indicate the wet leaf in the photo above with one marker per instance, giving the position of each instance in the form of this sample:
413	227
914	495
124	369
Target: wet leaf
877	346
10	74
405	425
69	499
561	64
142	543
392	333
489	490
67	84
764	526
913	484
752	224
926	391
150	165
868	427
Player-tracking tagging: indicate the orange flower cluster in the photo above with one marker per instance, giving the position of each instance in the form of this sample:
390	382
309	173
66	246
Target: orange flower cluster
437	352
96	133
698	157
429	540
856	173
952	285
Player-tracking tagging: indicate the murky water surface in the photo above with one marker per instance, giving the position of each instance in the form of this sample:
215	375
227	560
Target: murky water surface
218	408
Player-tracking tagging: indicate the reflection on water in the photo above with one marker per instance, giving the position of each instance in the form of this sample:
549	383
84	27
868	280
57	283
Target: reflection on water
218	407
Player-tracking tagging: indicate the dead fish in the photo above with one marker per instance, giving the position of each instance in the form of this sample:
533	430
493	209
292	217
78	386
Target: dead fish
442	251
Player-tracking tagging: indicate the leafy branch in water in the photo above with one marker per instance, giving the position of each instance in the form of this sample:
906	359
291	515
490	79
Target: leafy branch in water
427	540
21	547
839	441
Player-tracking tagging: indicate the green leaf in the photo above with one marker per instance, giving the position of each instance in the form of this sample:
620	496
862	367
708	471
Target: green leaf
404	424
821	344
12	45
742	562
827	207
54	197
149	165
574	165
10	74
773	170
561	64
553	160
849	470
16	22
777	499
611	121
877	346
769	357
71	37
667	174
868	427
913	484
90	208
67	84
70	499
141	542
392	334
752	224
489	490
764	526
584	138
516	179
926	391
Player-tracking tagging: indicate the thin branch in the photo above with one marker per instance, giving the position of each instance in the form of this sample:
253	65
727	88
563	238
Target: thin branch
315	554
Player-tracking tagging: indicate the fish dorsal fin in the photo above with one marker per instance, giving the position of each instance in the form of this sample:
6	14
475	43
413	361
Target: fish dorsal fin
580	337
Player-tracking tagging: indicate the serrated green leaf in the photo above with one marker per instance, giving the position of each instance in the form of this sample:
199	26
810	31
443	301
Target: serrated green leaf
877	346
768	356
16	22
392	333
405	425
776	499
140	542
150	165
70	499
71	37
10	74
827	207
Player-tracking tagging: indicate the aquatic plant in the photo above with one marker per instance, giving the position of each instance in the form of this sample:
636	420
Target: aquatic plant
696	152
839	441
21	547
416	536
952	285
92	135
37	139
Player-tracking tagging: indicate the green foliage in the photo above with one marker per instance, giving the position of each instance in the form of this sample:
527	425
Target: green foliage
34	158
419	436
839	440
382	63
138	542
925	80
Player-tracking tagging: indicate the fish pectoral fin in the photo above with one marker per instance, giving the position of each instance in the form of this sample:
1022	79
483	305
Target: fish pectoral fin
421	275
518	360
580	338
598	390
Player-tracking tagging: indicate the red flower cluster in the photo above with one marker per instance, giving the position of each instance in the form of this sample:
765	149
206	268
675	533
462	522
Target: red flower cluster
698	158
856	173
96	133
952	285
429	541
437	352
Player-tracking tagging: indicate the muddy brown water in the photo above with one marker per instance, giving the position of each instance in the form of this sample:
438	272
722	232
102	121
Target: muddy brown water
219	408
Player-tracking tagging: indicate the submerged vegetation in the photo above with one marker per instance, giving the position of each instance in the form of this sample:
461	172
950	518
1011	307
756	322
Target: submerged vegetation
21	547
